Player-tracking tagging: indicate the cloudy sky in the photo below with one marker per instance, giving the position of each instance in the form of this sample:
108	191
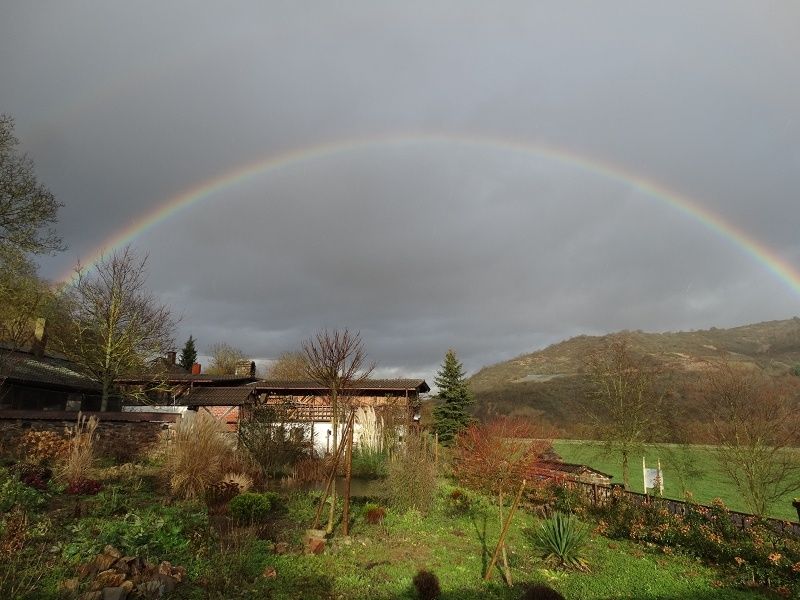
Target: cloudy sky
459	174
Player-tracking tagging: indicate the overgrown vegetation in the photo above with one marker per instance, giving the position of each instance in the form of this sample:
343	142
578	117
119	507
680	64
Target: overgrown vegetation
411	478
197	455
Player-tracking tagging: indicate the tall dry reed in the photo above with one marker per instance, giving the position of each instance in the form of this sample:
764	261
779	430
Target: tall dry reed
196	455
79	459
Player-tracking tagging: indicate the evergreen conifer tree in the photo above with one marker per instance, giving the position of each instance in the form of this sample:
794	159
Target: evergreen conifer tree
450	416
188	354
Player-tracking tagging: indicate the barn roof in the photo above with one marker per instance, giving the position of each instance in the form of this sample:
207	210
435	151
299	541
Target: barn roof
370	385
217	396
46	372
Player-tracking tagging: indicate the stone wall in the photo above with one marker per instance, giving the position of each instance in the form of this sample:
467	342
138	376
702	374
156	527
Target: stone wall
121	435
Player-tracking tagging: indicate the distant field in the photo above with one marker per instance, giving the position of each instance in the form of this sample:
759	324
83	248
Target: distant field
705	482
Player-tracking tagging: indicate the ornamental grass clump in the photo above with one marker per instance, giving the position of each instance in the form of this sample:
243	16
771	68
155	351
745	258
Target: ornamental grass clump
78	461
196	455
562	539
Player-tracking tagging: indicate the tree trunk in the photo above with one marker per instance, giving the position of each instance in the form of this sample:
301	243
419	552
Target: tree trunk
348	466
335	419
626	476
106	394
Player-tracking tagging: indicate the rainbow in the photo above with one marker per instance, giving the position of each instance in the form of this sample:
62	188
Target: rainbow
774	263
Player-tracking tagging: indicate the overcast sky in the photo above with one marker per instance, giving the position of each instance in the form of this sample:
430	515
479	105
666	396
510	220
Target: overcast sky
427	242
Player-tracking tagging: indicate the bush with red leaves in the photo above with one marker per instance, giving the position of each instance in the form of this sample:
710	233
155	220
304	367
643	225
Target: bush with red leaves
375	514
84	487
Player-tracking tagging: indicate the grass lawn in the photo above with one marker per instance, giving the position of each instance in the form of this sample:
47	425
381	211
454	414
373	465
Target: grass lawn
379	561
704	480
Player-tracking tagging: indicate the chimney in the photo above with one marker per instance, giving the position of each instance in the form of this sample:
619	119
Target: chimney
245	368
196	368
171	358
39	337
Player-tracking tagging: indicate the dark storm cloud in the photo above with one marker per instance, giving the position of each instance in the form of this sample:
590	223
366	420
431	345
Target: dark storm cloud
428	245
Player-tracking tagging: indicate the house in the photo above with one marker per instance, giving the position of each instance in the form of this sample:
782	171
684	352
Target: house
32	379
396	402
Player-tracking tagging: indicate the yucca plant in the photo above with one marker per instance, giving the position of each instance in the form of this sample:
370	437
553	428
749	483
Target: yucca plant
562	539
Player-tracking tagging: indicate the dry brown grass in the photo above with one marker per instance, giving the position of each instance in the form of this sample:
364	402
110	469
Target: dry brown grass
196	456
79	459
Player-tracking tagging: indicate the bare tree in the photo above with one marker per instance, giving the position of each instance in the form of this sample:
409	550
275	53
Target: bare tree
626	407
117	327
224	358
754	421
336	360
289	366
27	208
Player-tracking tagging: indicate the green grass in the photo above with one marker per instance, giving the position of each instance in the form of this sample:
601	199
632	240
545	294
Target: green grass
377	562
704	480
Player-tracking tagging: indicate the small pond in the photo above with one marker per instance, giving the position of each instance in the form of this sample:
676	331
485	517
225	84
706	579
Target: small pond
358	487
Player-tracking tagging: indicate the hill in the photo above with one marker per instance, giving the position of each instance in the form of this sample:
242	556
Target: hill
550	383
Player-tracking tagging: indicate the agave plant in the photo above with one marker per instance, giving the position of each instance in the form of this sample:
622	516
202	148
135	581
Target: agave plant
561	540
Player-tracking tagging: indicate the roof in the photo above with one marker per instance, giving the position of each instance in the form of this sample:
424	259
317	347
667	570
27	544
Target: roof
47	372
217	396
381	385
571	468
185	377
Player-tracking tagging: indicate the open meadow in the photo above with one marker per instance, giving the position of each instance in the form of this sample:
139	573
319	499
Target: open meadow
685	468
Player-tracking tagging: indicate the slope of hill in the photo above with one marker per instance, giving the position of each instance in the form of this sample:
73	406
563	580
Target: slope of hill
550	382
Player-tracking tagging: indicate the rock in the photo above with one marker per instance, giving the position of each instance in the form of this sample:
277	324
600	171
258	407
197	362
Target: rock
149	587
165	568
115	593
109	578
269	572
127	586
70	585
179	573
111	551
123	565
168	583
281	548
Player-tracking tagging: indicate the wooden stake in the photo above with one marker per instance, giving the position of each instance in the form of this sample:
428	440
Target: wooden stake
503	533
331	477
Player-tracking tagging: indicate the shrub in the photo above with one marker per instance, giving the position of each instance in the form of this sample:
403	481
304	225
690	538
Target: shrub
374	514
34	475
458	502
154	534
221	493
15	493
274	442
427	585
79	459
242	481
196	455
411	477
252	508
369	464
44	446
561	540
84	487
